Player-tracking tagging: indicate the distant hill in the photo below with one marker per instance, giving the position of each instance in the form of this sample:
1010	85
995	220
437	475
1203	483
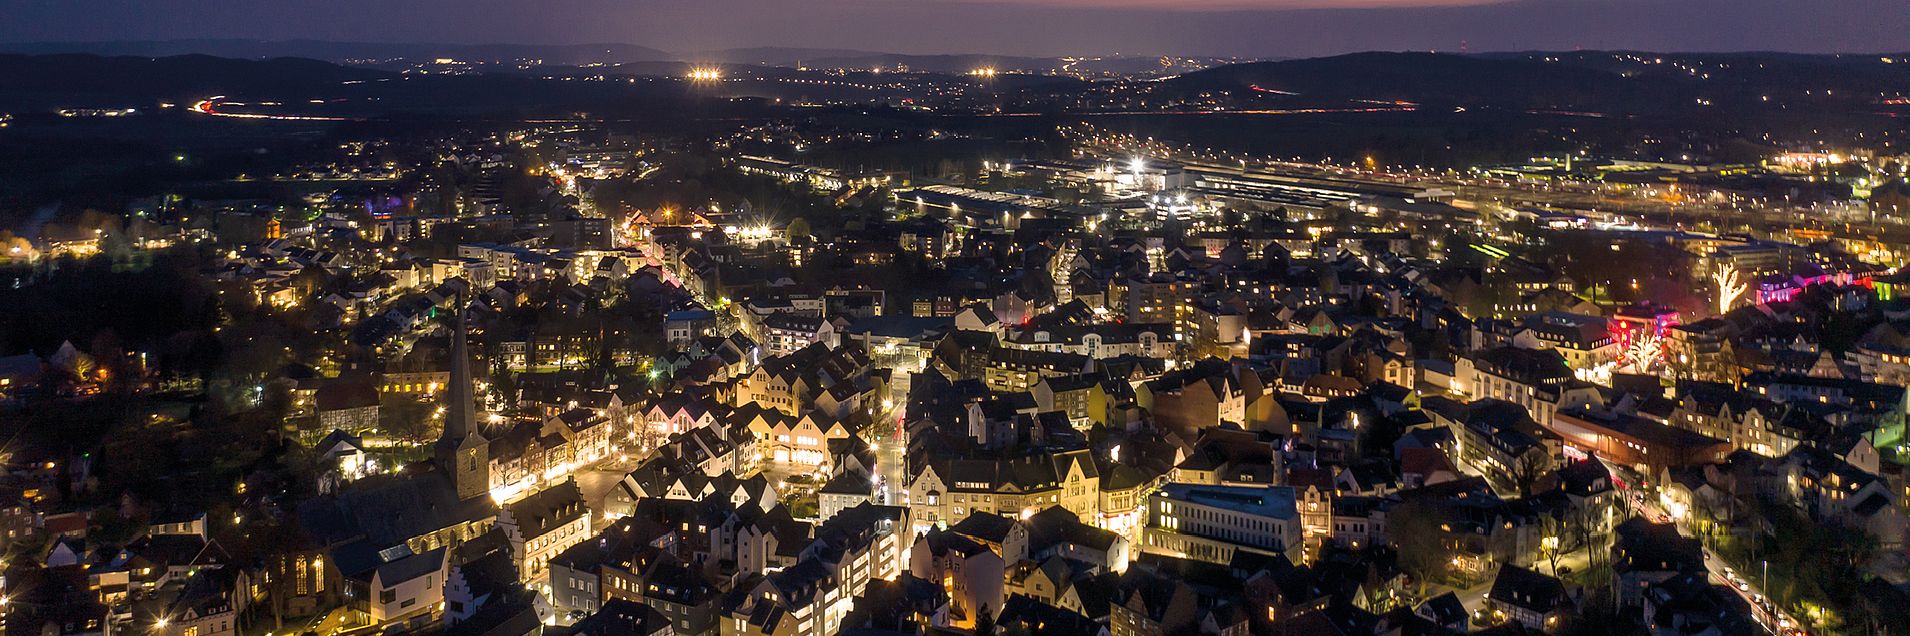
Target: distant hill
89	78
771	55
1761	72
1696	87
38	84
952	64
565	54
1588	81
576	54
1425	78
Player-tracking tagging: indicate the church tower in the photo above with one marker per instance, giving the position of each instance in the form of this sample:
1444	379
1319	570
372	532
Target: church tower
462	451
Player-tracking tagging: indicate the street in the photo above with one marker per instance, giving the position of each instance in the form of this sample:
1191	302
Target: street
891	454
596	482
1746	585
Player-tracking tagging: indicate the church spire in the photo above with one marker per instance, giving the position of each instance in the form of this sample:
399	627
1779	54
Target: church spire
462	452
460	411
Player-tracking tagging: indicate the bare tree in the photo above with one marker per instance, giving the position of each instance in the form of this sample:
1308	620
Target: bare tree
1644	351
1416	532
1729	287
1528	467
1552	539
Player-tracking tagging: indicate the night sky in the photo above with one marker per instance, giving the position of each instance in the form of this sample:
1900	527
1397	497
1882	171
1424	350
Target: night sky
1025	27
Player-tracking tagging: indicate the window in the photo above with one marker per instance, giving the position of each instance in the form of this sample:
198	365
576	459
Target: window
301	570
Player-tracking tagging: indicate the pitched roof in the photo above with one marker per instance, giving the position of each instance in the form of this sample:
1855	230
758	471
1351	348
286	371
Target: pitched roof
1057	525
1528	589
346	393
410	567
984	526
389	509
1640	545
548	509
1445	609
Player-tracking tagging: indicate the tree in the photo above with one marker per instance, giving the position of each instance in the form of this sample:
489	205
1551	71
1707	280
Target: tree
798	227
1644	351
1599	616
984	621
1729	287
1585	526
1414	528
1528	467
1552	539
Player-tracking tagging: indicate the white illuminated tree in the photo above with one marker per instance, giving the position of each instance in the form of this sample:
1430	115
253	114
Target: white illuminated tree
1644	351
1729	287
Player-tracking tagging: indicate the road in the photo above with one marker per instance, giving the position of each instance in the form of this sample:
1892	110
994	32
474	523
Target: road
1474	599
1746	584
210	106
596	482
1474	596
1668	208
891	455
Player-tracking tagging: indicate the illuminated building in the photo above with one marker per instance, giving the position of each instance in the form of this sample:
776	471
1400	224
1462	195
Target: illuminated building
1211	523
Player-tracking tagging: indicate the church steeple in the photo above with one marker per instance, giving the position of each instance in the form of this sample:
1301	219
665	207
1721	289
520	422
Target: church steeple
462	451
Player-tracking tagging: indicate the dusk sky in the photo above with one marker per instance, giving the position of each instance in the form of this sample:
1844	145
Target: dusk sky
1037	27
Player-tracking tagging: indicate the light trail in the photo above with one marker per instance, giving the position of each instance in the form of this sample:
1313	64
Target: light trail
1258	111
209	106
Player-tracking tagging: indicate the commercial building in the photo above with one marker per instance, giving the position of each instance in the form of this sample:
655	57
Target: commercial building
1211	523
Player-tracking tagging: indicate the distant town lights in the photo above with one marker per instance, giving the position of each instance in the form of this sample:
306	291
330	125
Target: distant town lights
983	72
706	74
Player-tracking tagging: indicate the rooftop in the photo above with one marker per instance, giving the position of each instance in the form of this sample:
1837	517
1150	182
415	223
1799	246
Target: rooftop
1265	501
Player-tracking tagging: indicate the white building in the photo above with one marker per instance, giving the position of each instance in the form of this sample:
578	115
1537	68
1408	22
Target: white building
1210	523
543	525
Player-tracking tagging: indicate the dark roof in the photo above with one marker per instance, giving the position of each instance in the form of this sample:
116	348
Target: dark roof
410	567
1650	431
847	483
1643	546
1528	589
1057	525
548	509
1524	365
489	573
346	393
336	438
624	537
1444	609
1036	617
1584	478
389	509
513	615
1688	603
621	617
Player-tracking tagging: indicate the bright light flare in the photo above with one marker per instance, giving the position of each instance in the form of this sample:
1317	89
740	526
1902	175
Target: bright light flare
706	74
